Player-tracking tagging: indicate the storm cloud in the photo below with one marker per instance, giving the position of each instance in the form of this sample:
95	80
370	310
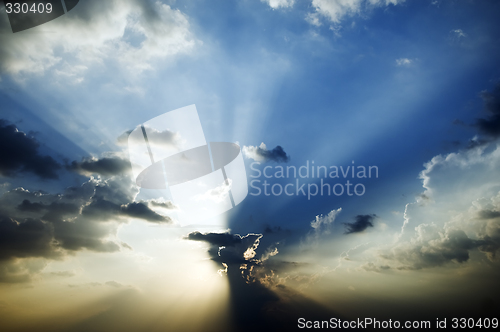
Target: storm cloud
361	223
20	153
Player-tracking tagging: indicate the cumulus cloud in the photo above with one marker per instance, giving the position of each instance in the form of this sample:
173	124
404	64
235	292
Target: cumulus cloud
460	215
135	33
433	246
362	223
35	224
20	154
262	154
218	239
275	4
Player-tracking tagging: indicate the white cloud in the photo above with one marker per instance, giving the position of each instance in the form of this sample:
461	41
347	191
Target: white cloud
403	62
132	33
275	4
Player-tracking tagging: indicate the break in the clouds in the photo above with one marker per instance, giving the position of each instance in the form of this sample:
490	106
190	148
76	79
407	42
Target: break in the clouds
262	154
361	223
20	154
94	33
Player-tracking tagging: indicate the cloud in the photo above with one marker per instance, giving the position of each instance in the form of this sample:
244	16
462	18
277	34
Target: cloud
458	33
490	126
20	154
433	246
26	238
217	195
218	239
20	271
104	166
403	62
362	223
142	211
229	248
336	10
262	154
321	225
35	224
136	33
165	205
460	218
165	138
275	4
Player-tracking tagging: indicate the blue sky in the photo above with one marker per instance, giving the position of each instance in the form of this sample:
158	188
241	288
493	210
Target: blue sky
393	84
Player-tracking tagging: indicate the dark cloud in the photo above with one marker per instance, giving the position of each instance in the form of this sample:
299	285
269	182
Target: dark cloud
491	125
261	153
142	211
39	225
362	222
104	166
26	238
218	239
269	230
230	249
433	249
20	153
489	214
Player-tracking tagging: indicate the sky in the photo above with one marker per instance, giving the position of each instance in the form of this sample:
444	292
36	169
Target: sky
397	100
